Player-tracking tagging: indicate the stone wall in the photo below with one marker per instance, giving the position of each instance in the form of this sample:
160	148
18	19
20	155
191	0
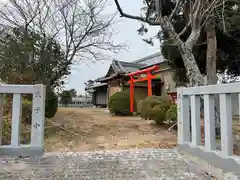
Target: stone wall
169	83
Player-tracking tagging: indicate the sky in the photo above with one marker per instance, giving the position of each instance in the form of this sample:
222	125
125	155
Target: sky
127	33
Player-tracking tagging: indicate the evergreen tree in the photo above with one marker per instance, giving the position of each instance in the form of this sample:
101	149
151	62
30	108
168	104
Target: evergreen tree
66	98
73	92
27	57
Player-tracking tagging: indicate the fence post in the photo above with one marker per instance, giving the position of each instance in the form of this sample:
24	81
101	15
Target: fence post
209	122
16	119
38	116
183	117
195	120
226	124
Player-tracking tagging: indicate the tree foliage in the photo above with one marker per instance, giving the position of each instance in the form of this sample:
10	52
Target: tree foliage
88	84
51	103
27	57
66	98
73	92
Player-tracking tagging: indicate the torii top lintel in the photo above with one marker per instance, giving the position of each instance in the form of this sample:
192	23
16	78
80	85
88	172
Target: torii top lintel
144	71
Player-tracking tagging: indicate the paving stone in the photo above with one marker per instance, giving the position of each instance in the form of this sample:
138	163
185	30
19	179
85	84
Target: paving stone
145	164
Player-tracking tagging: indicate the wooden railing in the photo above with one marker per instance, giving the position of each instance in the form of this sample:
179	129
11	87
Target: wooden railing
37	127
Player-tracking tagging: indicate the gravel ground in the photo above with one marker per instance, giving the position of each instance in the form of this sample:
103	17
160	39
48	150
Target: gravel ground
145	164
89	129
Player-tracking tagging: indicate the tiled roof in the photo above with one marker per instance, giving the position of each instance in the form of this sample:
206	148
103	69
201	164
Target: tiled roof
152	59
126	67
160	63
96	86
121	67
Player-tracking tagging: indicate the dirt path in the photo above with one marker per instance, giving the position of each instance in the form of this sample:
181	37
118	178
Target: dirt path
88	129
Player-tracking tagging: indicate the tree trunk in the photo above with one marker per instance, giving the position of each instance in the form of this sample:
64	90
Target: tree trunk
193	73
211	59
197	79
211	70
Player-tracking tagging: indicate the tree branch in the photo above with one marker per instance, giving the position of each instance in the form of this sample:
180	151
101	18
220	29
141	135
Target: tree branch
184	29
153	23
175	10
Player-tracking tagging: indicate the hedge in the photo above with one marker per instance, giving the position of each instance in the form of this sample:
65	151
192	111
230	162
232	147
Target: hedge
119	104
51	103
150	102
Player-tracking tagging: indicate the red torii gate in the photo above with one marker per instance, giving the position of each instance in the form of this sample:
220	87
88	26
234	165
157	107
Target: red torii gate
148	78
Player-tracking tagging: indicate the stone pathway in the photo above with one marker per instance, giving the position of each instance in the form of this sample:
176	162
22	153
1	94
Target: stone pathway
145	164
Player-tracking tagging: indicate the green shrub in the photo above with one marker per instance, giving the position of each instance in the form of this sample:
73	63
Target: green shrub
119	104
150	102
172	113
165	102
51	103
158	114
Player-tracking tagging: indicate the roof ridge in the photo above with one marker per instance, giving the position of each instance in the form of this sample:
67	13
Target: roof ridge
121	67
148	57
131	63
114	65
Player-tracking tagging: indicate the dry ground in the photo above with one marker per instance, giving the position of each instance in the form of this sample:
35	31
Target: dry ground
87	129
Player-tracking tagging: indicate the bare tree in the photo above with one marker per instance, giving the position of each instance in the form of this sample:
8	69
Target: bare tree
197	12
80	26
